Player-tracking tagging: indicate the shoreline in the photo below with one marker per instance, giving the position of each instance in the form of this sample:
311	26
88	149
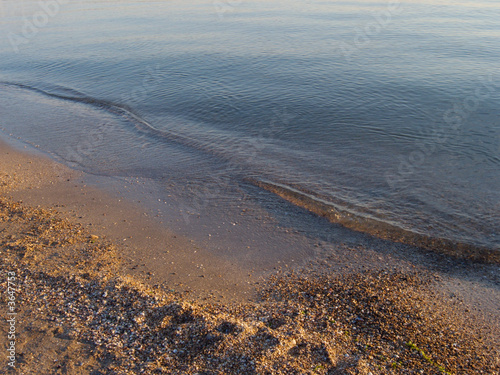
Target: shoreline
382	230
150	251
71	244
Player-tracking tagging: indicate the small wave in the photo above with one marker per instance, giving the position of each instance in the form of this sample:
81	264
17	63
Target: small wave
223	144
348	218
236	148
118	109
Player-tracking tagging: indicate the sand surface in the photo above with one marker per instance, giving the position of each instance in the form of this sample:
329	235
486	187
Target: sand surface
101	287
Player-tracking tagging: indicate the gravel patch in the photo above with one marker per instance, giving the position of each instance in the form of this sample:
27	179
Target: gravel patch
78	314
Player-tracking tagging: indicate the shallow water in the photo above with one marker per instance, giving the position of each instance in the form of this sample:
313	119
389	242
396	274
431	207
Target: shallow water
388	113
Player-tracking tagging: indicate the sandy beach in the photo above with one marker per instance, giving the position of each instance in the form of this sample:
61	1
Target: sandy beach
97	286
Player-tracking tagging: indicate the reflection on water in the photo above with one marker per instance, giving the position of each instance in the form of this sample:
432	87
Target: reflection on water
388	111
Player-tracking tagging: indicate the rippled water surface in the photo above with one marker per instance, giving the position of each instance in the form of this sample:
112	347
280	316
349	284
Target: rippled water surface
386	112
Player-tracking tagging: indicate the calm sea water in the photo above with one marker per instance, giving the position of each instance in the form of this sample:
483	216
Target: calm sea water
386	112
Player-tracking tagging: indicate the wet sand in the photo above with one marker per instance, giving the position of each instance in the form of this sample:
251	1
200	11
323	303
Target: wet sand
149	250
101	287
